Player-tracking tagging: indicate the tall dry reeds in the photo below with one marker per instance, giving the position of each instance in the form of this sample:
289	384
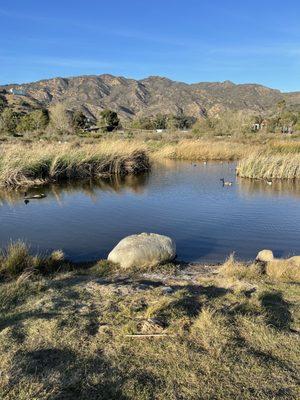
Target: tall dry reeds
270	165
202	150
41	162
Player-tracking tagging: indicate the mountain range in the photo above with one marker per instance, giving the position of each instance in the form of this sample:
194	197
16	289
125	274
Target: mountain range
132	98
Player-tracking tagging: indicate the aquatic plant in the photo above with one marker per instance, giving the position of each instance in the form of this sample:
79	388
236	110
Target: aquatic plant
41	163
270	165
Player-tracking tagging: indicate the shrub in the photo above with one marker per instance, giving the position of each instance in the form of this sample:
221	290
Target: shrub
80	120
3	103
36	120
60	118
110	120
9	120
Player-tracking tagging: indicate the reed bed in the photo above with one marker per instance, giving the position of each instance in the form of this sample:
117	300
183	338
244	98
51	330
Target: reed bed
25	165
270	165
204	150
289	146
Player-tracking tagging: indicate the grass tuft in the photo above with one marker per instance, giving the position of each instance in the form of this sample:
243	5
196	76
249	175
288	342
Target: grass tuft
283	270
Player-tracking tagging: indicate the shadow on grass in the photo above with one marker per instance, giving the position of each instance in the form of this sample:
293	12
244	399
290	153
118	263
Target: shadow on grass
72	374
277	310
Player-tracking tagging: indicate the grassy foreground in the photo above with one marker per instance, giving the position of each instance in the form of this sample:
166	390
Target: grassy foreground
40	163
95	333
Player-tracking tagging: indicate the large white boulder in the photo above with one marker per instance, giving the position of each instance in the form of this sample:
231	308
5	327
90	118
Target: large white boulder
143	250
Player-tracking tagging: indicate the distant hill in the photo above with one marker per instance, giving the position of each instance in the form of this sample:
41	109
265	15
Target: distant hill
132	98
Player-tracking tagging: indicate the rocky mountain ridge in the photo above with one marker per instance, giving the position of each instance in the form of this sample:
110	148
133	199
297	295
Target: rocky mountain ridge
132	98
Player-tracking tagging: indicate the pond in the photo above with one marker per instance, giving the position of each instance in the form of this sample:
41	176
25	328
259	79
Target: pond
184	200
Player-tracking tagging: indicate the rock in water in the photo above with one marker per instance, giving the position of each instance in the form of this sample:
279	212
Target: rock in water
143	250
265	256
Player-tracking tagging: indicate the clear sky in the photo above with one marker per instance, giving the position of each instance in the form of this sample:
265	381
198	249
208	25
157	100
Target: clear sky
185	40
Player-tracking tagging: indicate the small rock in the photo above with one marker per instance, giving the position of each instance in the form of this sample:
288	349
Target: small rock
265	256
167	290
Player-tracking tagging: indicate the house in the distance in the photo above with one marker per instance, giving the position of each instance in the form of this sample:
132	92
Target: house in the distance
17	92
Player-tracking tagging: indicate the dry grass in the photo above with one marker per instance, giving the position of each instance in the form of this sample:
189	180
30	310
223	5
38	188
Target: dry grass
283	270
204	150
289	146
239	270
280	161
41	162
16	260
67	337
286	270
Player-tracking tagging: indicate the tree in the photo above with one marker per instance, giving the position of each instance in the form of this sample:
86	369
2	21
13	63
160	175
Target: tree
181	121
3	103
281	105
34	121
143	123
80	120
9	120
160	121
60	118
109	120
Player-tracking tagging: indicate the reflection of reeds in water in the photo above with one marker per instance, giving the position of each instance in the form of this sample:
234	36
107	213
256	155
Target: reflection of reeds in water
250	187
91	188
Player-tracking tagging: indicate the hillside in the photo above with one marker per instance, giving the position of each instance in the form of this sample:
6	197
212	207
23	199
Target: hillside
132	98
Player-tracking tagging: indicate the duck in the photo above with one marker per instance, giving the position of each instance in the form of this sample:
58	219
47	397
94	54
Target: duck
269	183
34	196
226	183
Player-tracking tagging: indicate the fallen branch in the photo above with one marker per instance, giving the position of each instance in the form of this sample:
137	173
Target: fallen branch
150	335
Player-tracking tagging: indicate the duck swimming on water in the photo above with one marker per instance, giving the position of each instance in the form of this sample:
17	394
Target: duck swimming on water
226	183
33	196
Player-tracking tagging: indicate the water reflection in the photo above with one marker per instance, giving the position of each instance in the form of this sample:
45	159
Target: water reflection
249	187
183	200
90	188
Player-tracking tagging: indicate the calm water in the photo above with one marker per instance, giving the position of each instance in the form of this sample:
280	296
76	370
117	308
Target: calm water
181	199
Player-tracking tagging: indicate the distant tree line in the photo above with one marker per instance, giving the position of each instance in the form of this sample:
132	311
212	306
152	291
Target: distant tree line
59	119
164	121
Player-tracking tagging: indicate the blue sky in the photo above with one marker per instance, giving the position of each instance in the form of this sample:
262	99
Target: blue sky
191	41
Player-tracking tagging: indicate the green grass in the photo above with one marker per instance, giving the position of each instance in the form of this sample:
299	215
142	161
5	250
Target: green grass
234	334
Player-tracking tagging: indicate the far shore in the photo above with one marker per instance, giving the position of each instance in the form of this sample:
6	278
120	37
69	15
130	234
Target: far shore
38	162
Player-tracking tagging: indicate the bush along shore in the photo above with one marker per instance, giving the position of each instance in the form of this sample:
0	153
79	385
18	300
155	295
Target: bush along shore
25	165
167	332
